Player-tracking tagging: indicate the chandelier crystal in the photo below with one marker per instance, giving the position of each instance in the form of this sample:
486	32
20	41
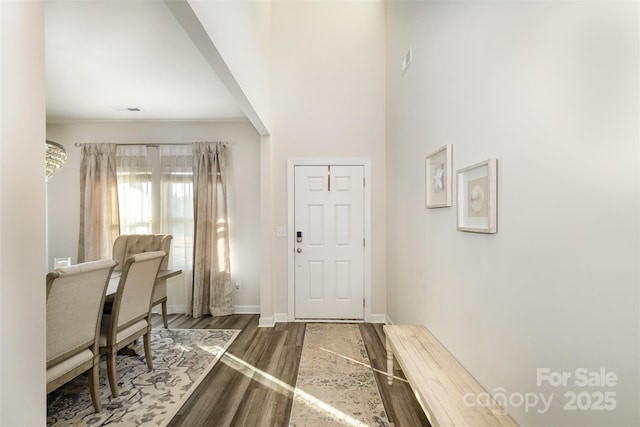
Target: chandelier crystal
56	156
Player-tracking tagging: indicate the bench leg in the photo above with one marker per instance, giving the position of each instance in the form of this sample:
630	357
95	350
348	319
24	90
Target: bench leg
389	363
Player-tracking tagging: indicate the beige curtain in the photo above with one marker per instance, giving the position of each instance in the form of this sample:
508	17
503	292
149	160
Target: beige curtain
212	292
99	220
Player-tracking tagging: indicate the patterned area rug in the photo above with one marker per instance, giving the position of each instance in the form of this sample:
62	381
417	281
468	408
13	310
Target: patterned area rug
336	385
181	359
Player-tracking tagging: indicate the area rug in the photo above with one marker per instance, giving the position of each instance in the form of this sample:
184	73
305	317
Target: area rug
181	359
336	385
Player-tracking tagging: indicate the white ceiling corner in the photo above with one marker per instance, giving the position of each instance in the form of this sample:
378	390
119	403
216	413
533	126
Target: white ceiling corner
103	57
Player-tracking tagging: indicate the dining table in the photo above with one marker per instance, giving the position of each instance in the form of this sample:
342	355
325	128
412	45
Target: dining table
115	279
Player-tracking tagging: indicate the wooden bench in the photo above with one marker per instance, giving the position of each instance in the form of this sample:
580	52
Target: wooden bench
447	392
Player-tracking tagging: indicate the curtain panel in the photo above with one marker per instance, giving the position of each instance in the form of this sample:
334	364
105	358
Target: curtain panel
212	291
99	217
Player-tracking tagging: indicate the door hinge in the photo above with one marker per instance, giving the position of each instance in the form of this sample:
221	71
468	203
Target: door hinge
363	242
363	304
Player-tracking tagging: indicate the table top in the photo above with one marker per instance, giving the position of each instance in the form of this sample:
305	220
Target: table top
115	279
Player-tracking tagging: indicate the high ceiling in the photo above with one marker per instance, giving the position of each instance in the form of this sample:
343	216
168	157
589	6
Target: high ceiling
104	58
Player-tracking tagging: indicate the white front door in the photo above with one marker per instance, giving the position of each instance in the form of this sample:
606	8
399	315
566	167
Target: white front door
329	242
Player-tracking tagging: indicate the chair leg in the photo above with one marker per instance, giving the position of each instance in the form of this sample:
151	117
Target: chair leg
147	349
94	386
111	371
164	314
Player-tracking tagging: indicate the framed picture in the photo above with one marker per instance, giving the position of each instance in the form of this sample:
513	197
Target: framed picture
477	197
438	178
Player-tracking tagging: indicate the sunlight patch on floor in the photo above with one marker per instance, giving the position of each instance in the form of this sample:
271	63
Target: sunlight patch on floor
281	387
352	360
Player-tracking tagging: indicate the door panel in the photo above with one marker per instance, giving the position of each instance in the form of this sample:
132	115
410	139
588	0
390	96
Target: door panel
316	280
343	280
329	261
315	225
342	221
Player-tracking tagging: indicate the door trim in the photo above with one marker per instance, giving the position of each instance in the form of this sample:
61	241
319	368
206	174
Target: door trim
291	164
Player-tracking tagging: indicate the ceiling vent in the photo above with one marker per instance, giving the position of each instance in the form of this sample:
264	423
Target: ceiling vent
126	109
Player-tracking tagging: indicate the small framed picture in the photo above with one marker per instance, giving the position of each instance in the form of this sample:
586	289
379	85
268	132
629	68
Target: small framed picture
438	178
477	197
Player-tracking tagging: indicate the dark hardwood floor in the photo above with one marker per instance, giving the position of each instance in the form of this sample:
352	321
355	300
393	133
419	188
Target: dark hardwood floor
253	383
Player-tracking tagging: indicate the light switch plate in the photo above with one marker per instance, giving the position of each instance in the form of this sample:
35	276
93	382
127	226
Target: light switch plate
281	232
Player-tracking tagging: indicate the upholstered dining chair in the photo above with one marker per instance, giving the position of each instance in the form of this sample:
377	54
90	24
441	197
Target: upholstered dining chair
130	314
131	244
75	297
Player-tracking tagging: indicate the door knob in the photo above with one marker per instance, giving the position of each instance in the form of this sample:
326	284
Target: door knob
299	250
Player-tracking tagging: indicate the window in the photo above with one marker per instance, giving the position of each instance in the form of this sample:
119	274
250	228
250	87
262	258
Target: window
135	202
155	195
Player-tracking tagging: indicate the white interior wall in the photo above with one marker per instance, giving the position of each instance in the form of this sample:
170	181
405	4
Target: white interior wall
240	31
327	87
550	89
243	168
22	215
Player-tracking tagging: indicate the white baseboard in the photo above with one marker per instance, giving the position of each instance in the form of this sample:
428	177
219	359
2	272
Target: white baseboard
375	318
246	309
266	322
171	309
281	317
379	318
179	309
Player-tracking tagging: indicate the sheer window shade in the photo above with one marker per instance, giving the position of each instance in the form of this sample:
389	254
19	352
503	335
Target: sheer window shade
156	196
135	183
